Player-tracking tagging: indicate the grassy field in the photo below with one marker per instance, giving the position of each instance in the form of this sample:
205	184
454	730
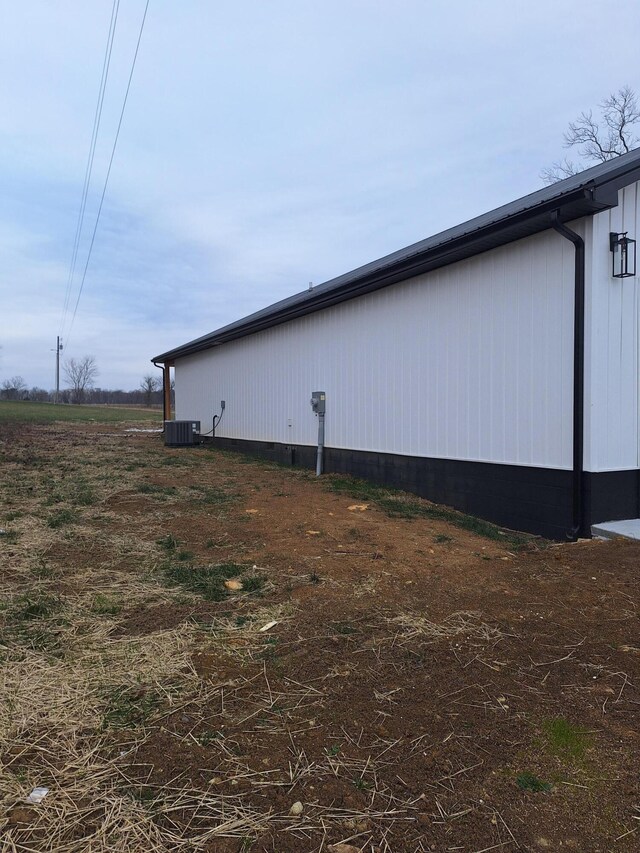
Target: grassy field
45	413
202	653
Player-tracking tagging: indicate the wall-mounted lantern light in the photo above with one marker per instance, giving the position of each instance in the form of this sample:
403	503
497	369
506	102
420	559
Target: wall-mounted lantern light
623	249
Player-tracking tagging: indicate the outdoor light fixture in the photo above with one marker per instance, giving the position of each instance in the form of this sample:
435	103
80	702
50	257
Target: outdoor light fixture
623	249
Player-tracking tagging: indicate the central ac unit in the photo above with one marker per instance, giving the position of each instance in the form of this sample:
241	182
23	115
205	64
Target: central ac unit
181	433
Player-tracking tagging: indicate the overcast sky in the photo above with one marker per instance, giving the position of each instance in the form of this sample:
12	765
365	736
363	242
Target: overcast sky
265	144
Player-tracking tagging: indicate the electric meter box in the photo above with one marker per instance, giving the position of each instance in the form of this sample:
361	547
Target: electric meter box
318	402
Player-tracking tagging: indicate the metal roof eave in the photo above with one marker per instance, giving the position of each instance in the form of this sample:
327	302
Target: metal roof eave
585	201
577	196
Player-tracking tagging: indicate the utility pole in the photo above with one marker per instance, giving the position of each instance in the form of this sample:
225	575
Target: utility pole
58	348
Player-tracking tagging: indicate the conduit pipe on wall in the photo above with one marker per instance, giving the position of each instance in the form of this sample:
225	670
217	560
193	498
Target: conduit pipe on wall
578	528
320	454
318	406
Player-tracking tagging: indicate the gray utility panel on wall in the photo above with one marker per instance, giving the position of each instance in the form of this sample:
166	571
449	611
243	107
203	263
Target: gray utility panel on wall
318	402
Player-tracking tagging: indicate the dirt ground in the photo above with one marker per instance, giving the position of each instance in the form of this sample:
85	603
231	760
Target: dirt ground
411	684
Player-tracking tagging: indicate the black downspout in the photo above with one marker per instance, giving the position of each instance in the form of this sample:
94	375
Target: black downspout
164	414
578	377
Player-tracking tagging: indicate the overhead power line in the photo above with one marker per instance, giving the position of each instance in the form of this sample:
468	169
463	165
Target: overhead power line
106	180
92	149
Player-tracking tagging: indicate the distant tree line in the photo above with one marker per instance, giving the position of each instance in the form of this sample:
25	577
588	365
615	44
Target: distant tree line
80	377
12	390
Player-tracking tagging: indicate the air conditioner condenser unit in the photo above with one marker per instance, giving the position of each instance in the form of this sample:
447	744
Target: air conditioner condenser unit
181	433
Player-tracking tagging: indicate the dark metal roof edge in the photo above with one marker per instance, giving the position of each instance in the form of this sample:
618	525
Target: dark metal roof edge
585	194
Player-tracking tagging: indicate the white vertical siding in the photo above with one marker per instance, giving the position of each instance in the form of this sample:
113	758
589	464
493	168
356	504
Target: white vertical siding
612	352
472	361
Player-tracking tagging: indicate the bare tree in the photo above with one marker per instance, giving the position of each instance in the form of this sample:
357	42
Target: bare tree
599	141
38	395
14	388
148	385
80	375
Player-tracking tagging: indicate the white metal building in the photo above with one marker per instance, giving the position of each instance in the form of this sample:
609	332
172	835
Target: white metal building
493	367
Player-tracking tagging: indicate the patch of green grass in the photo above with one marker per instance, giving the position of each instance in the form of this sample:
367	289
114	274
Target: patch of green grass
528	782
441	538
565	740
253	583
135	466
47	413
41	637
61	518
175	460
33	620
168	542
42	570
399	504
104	605
214	496
73	490
479	527
34	606
184	556
360	784
11	516
207	581
401	507
82	494
355	488
334	750
156	490
128	707
54	497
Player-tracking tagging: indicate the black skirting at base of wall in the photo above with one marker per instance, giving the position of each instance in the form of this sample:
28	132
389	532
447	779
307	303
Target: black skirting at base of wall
535	500
611	495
